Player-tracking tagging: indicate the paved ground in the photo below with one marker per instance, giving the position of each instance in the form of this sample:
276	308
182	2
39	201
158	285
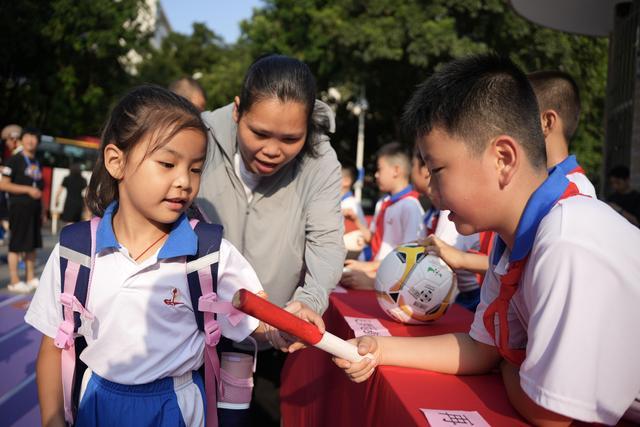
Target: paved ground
18	348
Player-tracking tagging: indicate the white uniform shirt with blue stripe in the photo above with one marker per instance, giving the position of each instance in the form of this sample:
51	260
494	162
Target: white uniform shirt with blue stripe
575	310
143	330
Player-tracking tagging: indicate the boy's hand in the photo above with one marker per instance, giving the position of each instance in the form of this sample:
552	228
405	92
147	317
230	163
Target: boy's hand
365	266
448	253
350	214
288	343
361	371
356	279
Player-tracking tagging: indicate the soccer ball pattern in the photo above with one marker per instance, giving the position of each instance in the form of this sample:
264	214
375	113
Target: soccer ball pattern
414	287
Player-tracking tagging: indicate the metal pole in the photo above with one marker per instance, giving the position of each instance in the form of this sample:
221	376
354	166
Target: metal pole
362	110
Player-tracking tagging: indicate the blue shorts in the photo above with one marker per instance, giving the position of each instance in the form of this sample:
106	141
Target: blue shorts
469	299
167	402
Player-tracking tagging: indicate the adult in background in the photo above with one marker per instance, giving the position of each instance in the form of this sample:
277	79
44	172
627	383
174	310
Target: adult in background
273	181
22	179
192	90
74	183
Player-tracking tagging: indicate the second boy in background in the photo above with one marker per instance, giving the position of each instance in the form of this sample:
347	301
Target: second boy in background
559	103
398	215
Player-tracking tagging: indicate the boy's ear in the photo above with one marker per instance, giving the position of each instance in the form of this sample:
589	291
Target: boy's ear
507	157
549	119
114	161
236	105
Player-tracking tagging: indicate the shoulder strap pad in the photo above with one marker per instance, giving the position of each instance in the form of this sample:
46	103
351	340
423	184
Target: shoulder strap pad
209	239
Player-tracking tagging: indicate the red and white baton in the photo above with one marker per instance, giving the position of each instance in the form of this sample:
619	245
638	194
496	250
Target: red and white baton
277	317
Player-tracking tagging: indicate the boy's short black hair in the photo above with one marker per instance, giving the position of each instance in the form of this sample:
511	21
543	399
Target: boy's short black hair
620	172
351	170
477	98
30	130
558	91
397	154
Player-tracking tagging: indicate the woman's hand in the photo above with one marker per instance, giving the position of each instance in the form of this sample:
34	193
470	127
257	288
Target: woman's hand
288	343
361	371
356	279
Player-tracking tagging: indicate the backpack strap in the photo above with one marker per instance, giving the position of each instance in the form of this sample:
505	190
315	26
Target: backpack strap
202	276
76	264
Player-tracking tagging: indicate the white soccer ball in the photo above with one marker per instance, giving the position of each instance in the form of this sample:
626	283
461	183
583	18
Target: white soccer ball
414	287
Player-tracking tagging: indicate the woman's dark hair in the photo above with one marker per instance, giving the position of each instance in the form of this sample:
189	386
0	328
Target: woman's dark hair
146	110
284	78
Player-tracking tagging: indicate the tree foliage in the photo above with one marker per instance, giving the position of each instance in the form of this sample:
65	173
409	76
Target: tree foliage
391	46
64	61
64	68
203	53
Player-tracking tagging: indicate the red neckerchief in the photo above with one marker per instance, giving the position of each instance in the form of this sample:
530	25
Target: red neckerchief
577	169
376	240
500	306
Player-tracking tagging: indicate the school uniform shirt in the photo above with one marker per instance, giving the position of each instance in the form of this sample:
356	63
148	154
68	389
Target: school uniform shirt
446	231
144	327
575	311
23	171
402	222
290	226
568	166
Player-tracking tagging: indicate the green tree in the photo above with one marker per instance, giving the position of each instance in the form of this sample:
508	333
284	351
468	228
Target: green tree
388	47
65	61
219	67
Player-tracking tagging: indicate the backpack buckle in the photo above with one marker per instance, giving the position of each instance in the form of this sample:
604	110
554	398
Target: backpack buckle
64	336
71	302
210	303
212	332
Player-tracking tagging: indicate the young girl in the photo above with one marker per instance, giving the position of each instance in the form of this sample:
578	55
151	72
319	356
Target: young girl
143	345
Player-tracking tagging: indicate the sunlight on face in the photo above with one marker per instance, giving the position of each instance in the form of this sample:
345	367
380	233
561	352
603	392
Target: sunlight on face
271	134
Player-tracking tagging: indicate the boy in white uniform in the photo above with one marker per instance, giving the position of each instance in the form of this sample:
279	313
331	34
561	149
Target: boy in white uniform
562	329
440	237
349	205
559	103
398	215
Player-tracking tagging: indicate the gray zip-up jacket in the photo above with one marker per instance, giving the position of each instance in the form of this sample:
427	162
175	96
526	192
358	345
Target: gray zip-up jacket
291	232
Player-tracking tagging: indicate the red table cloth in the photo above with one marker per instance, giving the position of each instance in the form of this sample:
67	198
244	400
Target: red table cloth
315	392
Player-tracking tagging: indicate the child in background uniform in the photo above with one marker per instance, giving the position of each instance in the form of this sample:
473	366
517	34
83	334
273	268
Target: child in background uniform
143	346
561	297
396	220
349	205
440	237
559	104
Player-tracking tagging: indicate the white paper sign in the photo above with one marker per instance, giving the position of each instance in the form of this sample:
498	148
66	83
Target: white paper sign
447	418
367	326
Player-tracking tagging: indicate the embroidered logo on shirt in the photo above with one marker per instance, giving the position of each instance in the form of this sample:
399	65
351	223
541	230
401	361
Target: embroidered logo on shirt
172	302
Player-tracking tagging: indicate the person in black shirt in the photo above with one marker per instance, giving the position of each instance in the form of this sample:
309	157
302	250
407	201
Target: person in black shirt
22	179
73	202
623	199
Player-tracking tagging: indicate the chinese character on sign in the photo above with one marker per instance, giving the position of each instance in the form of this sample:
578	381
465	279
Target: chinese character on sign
451	418
455	419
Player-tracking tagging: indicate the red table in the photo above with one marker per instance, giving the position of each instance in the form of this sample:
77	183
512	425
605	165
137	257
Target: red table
314	392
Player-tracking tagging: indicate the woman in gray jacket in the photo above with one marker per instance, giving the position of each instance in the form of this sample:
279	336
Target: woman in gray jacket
273	180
